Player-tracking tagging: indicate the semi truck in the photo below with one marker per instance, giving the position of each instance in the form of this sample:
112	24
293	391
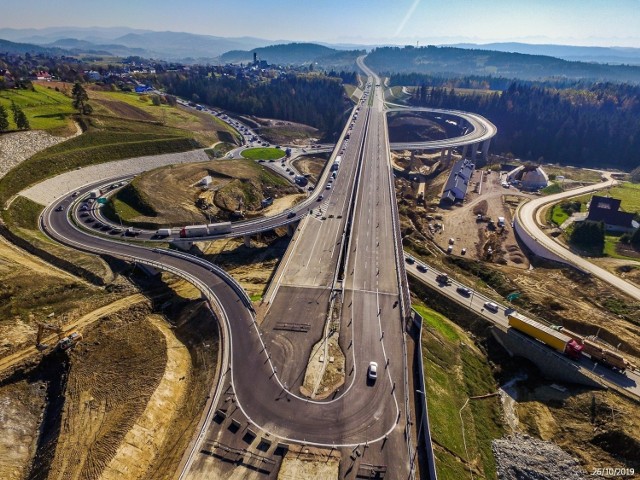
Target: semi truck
336	163
605	356
191	231
217	228
598	351
194	231
547	335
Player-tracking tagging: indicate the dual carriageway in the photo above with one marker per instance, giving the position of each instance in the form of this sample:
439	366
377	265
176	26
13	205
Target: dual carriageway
352	256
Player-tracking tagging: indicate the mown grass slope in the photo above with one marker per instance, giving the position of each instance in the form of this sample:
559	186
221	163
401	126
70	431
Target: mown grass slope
462	428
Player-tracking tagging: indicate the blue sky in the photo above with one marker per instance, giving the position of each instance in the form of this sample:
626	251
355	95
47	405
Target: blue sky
586	22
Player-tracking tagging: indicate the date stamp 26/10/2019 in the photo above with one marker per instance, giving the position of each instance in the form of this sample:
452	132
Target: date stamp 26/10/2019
613	472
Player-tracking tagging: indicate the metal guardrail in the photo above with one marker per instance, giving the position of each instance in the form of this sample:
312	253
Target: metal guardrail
425	425
229	280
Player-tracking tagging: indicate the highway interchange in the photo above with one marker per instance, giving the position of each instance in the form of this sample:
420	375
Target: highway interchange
347	251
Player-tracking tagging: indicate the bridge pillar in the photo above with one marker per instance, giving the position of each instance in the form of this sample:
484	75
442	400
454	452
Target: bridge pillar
485	150
449	152
184	245
291	229
247	241
474	152
464	151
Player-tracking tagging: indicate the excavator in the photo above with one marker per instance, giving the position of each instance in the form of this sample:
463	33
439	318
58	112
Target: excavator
64	342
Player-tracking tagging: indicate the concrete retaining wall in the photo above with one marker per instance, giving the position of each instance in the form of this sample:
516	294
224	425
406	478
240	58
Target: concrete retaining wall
552	364
533	245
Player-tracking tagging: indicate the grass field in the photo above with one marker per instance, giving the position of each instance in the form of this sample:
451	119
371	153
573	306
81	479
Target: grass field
552	189
571	173
349	89
123	125
558	215
447	349
206	128
629	193
263	153
45	109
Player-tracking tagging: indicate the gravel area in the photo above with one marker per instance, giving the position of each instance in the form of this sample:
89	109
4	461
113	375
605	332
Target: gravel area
17	147
47	191
521	457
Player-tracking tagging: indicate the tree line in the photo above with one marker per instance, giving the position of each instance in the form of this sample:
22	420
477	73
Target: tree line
596	126
19	118
316	100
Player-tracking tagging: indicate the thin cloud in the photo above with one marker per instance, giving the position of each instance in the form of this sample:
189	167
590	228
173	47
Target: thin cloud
406	18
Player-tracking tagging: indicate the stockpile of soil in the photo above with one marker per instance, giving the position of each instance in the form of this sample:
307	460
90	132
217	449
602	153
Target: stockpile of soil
526	458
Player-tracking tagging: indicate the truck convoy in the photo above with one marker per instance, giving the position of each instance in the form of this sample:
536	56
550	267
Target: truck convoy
570	343
191	231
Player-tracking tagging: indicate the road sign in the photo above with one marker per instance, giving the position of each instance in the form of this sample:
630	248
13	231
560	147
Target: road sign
512	296
101	200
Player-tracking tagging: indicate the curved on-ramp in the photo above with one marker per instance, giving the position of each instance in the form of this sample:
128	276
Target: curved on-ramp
527	228
482	129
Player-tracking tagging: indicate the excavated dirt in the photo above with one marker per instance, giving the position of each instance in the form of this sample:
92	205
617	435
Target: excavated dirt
33	291
311	166
252	267
21	406
114	372
599	429
306	462
173	196
141	444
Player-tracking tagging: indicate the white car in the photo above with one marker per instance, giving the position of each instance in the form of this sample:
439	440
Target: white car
372	372
492	307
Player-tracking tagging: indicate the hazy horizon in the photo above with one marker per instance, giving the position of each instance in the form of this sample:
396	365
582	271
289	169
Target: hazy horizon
584	23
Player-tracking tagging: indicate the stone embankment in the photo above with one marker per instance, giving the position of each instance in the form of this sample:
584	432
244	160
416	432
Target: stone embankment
17	147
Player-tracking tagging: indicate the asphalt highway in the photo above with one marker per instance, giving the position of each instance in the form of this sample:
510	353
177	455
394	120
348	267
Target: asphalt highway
475	301
352	225
527	217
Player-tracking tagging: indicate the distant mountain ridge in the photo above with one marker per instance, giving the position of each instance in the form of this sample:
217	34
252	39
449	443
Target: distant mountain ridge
611	55
123	41
282	54
22	48
460	61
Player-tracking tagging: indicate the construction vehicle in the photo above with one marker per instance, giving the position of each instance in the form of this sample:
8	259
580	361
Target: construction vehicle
46	327
64	342
70	340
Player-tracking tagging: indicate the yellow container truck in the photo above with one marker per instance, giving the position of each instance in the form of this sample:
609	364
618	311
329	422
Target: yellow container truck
556	340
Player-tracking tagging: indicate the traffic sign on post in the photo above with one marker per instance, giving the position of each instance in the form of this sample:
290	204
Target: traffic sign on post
101	200
512	296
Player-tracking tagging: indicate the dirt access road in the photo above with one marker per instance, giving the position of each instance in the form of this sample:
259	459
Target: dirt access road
19	357
460	222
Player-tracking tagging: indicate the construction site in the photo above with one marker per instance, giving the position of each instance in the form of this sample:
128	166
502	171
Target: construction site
110	379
